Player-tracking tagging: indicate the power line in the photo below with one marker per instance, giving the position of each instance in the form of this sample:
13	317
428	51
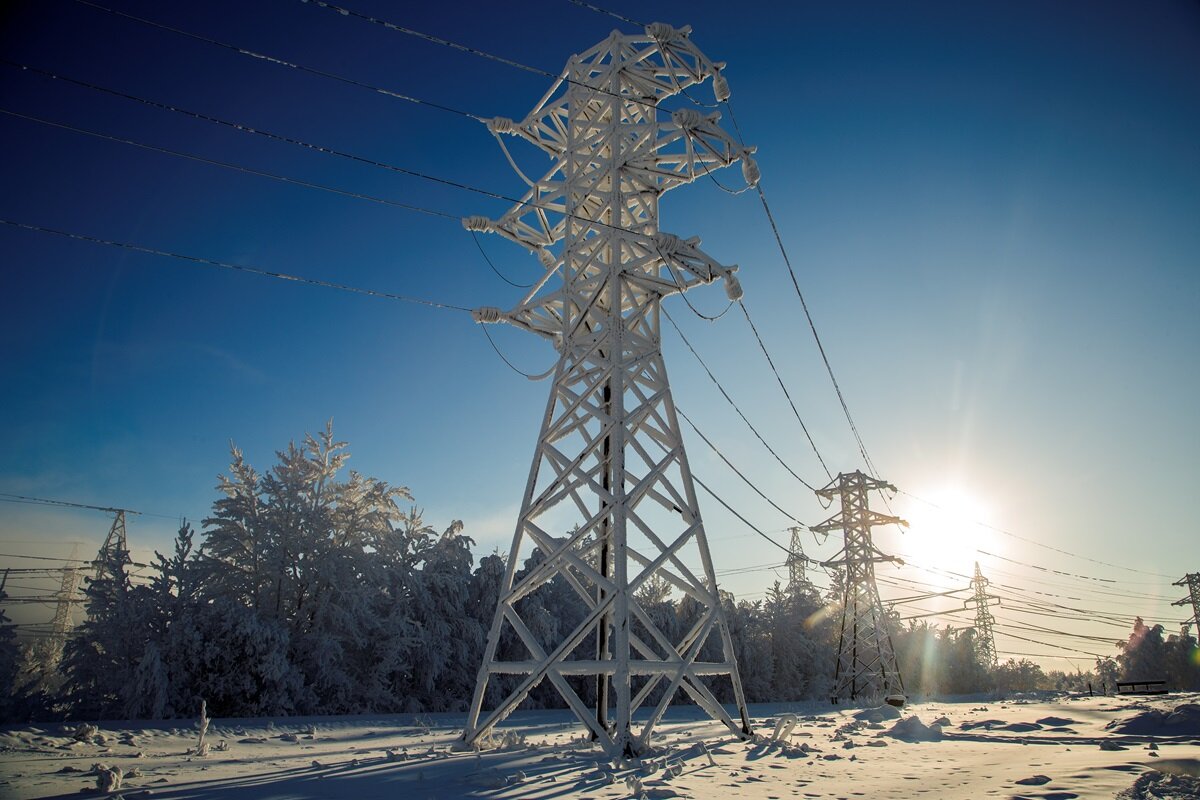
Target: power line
1047	644
786	393
605	11
729	399
737	471
1040	544
512	366
23	498
299	143
269	135
499	274
281	62
462	48
236	267
733	511
247	170
862	448
1077	587
46	558
951	573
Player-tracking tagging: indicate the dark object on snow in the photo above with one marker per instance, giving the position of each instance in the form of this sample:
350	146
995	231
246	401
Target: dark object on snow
1183	720
897	700
1154	784
1141	687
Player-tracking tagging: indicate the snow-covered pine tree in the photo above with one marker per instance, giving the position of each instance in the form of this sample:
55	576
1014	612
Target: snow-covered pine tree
10	660
102	655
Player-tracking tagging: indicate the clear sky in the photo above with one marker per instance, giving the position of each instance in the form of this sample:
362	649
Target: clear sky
993	211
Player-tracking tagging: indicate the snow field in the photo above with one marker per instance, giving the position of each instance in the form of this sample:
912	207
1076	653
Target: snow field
1057	749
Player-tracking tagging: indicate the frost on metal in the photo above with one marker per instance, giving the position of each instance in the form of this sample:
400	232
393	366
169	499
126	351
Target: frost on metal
610	506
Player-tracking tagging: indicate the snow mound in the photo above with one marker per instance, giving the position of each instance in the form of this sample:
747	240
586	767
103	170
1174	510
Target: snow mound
911	729
1155	785
986	724
1184	720
1055	722
878	714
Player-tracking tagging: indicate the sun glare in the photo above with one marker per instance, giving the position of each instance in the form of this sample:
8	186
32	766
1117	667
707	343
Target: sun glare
947	531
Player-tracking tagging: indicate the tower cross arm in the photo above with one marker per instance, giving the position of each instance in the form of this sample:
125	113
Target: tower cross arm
687	265
855	480
690	145
868	519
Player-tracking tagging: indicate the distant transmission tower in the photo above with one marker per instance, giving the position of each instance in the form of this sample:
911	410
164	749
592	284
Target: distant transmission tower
115	547
62	623
985	641
866	664
610	501
796	563
1192	582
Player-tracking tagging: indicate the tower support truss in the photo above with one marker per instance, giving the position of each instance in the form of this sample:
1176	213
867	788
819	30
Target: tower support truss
985	640
610	504
1192	582
115	547
866	663
796	563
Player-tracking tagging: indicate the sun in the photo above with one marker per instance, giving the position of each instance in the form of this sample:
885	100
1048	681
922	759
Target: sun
946	529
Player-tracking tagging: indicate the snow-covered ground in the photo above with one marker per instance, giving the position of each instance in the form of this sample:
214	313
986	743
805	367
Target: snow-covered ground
1056	749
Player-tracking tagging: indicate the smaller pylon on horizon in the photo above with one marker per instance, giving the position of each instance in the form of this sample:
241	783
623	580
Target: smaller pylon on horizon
795	562
866	662
62	623
985	641
1192	582
116	545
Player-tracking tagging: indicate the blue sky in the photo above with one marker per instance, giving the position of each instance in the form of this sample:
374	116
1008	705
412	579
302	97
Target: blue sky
991	209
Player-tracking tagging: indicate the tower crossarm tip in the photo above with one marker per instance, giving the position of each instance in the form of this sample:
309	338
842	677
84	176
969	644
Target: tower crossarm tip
690	145
688	265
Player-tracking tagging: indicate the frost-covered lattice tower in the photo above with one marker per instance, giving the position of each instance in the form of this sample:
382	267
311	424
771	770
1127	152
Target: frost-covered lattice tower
115	547
985	640
796	563
61	625
866	664
1192	582
610	502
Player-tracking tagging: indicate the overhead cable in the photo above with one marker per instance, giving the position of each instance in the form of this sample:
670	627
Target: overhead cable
1043	544
729	400
236	267
231	166
786	393
737	471
762	196
279	61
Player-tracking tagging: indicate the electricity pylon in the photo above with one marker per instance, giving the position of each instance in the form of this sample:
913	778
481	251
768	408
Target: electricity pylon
1192	582
62	623
866	664
609	468
985	641
115	547
796	563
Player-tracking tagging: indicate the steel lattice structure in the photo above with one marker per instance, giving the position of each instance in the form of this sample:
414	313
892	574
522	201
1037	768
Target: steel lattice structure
985	640
866	664
1192	582
796	563
610	502
115	547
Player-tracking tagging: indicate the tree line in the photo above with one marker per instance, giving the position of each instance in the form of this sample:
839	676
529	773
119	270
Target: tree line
316	590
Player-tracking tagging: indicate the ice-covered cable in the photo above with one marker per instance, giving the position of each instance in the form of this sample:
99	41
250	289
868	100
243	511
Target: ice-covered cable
283	276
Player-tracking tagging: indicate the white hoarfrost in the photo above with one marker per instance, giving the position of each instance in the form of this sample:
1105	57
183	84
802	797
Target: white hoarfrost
1043	749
